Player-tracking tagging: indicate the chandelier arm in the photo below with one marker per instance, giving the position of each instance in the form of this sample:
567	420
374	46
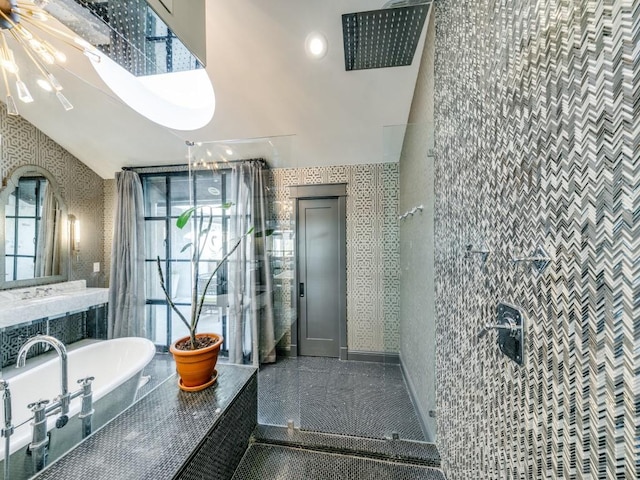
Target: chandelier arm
8	19
27	50
59	34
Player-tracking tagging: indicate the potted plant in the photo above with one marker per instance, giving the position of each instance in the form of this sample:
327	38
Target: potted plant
197	353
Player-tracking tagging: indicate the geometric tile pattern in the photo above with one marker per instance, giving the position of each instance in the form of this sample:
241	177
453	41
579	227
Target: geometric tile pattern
286	463
322	394
12	338
81	188
109	211
537	124
372	246
68	328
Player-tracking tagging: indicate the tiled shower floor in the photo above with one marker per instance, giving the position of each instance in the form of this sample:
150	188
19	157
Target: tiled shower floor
287	463
345	397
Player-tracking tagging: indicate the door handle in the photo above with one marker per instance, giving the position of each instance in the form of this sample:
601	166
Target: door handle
302	289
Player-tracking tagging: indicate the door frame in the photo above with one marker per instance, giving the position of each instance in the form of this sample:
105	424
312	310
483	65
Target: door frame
314	192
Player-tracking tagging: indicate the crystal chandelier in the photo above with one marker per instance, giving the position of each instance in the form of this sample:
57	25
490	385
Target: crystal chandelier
23	22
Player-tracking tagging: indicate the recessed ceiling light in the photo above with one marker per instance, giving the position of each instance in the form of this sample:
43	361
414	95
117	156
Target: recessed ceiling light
316	45
228	151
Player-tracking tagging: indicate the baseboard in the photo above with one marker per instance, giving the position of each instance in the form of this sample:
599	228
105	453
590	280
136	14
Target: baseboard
422	416
292	351
380	357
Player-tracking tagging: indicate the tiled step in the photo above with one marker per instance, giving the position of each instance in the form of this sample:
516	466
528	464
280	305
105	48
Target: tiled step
411	452
262	461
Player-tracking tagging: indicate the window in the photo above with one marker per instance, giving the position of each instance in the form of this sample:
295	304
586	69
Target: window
23	214
166	197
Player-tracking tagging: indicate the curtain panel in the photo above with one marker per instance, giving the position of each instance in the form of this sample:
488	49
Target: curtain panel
251	322
127	285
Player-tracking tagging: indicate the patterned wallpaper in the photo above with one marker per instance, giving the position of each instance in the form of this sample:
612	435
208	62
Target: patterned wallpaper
81	188
537	122
372	246
109	212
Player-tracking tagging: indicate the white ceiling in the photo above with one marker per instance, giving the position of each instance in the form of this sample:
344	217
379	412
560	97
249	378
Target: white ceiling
265	86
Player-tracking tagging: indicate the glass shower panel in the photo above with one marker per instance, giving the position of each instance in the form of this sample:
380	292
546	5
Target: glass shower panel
278	387
408	283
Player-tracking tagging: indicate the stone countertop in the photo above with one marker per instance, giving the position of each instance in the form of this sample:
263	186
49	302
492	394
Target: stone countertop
59	301
155	437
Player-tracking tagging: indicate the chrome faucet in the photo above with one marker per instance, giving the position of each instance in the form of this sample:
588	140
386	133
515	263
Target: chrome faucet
64	398
43	292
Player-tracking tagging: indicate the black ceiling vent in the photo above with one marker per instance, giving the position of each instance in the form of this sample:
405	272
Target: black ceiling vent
382	38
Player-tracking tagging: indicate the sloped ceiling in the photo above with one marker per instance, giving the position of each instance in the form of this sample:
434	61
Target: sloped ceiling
265	85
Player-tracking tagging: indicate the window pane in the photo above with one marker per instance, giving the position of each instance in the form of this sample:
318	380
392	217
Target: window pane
9	241
179	194
181	282
27	236
8	267
157	321
211	320
208	188
155	192
180	237
178	328
25	268
212	244
154	291
27	198
205	271
154	239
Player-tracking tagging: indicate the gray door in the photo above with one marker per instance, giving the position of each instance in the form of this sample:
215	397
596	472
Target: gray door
319	274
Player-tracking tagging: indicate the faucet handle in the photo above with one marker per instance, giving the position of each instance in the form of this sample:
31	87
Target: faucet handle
38	405
86	381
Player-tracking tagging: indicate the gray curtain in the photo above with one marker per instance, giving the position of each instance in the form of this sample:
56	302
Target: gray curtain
126	287
48	254
250	287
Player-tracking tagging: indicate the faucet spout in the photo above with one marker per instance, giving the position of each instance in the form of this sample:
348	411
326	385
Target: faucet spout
61	350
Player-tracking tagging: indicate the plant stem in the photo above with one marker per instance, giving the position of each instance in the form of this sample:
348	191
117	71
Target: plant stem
224	259
166	294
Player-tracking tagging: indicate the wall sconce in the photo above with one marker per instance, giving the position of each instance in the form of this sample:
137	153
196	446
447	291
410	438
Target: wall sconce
74	235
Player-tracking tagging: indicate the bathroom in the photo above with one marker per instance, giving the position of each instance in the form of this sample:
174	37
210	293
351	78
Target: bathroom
517	135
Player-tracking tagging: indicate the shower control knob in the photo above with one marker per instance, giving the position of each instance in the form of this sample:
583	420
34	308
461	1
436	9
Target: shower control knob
86	381
62	421
37	405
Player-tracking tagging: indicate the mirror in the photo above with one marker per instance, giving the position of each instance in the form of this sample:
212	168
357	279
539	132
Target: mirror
33	229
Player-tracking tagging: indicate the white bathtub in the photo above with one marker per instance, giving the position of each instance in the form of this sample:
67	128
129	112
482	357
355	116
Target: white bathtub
116	365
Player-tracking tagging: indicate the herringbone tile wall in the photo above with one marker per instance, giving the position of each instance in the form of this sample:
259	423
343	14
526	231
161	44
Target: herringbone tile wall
537	120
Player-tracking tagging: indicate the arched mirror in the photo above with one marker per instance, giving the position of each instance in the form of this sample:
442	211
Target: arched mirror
34	238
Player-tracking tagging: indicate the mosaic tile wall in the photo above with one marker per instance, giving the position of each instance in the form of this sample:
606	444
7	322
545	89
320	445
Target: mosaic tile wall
537	121
23	144
372	247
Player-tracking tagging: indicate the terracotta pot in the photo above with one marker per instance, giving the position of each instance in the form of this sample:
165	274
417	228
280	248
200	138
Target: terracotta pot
196	368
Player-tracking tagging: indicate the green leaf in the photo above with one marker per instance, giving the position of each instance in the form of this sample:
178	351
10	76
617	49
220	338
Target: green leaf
267	233
186	246
184	218
227	205
249	231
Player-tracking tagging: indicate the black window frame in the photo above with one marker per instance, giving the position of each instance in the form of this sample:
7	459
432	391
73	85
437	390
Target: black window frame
168	262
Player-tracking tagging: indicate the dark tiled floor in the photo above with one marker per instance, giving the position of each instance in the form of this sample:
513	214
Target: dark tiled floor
345	397
287	463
